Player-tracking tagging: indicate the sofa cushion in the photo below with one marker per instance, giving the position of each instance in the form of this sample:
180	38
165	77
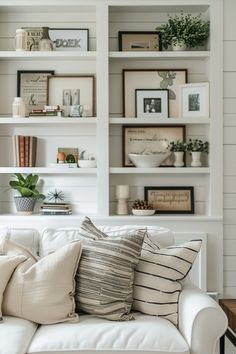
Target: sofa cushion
104	280
157	278
7	266
42	290
144	335
29	238
15	335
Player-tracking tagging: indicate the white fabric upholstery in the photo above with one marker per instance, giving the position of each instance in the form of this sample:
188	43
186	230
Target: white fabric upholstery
15	335
145	334
26	237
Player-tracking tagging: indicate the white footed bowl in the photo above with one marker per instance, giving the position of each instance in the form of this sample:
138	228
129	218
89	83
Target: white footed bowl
140	212
145	161
87	163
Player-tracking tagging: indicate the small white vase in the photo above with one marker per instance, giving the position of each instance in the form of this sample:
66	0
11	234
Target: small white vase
179	156
196	159
178	46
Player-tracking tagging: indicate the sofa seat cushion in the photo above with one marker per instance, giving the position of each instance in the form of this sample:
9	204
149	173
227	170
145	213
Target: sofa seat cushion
15	335
92	334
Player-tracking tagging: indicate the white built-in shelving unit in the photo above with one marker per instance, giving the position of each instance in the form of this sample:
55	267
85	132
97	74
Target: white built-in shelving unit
92	191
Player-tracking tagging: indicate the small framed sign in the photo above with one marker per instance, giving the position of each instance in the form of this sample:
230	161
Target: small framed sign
171	200
71	39
151	103
139	41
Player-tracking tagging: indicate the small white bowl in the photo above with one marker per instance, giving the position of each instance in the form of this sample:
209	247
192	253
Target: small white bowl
146	161
87	163
145	212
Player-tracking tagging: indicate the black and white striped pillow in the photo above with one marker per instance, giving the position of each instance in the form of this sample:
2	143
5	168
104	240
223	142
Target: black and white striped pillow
105	276
157	278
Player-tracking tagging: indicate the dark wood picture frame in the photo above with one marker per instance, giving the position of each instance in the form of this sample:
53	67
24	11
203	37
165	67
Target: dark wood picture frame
30	72
172	211
136	100
153	126
121	34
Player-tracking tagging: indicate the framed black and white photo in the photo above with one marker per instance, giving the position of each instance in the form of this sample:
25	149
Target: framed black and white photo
150	139
72	39
152	79
32	88
194	100
73	93
139	41
170	200
151	103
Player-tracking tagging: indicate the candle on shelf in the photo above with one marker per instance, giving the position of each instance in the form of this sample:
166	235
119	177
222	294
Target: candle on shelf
122	195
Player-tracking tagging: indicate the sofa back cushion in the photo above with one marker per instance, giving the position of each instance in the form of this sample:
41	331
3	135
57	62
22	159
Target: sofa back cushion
41	290
26	237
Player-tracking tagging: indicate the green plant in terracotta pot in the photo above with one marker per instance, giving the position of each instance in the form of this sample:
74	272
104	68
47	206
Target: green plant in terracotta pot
184	31
26	187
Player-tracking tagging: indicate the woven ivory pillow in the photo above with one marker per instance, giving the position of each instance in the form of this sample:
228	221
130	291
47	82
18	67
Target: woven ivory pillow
157	278
42	290
7	266
104	281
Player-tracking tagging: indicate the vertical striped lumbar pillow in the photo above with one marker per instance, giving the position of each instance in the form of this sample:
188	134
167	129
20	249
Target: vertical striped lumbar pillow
157	278
104	280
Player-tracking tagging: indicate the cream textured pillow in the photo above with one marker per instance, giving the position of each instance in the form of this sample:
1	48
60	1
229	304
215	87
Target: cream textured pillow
42	290
7	266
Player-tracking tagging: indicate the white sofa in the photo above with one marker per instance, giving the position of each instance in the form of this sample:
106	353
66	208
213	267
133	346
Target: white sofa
201	320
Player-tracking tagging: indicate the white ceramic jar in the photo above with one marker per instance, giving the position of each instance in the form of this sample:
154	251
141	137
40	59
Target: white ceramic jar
18	108
21	40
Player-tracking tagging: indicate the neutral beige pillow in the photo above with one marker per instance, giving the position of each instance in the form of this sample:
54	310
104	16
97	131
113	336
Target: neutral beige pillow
41	290
7	266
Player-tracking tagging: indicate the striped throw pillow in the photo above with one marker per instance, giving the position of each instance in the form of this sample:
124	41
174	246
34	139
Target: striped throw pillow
104	280
157	278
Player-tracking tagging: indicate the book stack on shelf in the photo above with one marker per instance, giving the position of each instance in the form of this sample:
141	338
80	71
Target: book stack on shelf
56	209
24	150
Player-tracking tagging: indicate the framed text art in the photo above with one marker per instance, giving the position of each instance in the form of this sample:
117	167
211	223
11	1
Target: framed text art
72	39
152	79
171	200
32	88
150	139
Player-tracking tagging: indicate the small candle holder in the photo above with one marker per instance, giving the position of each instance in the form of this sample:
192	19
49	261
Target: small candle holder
122	195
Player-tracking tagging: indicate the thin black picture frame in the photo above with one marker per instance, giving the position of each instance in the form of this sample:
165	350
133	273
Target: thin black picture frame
158	89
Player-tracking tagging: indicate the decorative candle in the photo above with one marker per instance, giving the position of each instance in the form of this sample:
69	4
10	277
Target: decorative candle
21	39
122	195
122	192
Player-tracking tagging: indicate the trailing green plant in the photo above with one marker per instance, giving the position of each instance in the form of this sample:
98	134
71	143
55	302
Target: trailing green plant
191	30
178	146
197	145
26	186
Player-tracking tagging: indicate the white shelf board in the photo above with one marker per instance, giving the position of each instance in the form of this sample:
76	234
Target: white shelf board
167	121
47	120
127	218
47	170
161	55
54	55
160	170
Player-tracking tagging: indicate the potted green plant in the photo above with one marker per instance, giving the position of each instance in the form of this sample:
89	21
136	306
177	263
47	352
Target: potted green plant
182	31
178	148
26	187
196	147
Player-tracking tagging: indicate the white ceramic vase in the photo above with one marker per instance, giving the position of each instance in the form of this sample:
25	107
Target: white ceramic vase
179	157
179	46
196	159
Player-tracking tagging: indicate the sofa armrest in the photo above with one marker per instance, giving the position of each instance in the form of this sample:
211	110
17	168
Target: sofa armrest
201	320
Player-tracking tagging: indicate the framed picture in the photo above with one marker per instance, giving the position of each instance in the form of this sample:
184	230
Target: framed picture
32	88
152	79
72	39
171	200
71	154
34	35
73	93
138	139
151	103
139	41
194	100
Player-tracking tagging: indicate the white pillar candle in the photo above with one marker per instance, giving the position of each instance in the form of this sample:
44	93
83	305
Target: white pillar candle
122	192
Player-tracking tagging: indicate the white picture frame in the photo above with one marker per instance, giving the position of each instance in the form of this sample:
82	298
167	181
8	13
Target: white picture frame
151	103
194	100
70	39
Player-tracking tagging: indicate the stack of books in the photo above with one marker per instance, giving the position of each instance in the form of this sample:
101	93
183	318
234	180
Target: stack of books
56	209
24	151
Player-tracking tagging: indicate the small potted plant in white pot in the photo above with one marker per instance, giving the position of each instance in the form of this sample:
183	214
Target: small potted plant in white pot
86	160
26	187
195	147
178	148
184	31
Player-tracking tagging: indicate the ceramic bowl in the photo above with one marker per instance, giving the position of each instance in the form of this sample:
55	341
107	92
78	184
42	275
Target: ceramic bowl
87	163
147	161
140	212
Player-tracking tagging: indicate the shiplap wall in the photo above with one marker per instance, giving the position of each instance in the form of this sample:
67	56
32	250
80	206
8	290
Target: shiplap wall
229	148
